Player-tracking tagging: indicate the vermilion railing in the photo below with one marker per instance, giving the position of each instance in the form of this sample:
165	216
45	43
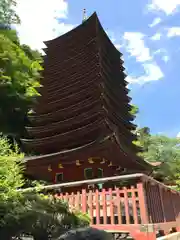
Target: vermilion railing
147	202
146	205
119	206
163	204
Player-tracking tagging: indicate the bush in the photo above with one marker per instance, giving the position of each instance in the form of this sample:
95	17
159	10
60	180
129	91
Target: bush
30	213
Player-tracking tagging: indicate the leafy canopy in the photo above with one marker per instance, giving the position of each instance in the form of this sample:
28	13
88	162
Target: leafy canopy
8	14
29	213
159	148
19	78
10	171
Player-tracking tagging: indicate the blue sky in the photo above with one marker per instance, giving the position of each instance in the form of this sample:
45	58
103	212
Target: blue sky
146	32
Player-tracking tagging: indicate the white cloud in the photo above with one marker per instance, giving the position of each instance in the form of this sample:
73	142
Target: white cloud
155	22
156	37
159	51
163	53
118	46
135	46
165	58
167	6
113	39
152	73
178	135
173	31
40	21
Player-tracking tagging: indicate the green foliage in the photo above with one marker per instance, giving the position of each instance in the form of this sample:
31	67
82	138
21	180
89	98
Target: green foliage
161	149
10	171
143	135
43	217
50	217
11	35
134	110
19	76
8	15
177	182
31	54
29	213
10	180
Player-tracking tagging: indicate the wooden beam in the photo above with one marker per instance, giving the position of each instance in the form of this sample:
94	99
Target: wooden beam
99	180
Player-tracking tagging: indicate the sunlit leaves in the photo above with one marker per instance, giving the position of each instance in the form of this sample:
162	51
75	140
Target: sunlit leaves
8	15
159	148
10	170
19	80
31	213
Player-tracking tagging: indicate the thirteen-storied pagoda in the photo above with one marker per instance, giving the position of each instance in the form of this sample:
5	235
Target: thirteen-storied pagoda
81	126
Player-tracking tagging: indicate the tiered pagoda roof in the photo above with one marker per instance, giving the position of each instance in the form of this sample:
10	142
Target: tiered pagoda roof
84	101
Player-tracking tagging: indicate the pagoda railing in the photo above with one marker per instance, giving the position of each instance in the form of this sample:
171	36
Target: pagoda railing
145	206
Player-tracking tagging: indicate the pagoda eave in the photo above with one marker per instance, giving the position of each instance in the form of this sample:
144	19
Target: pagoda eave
95	124
103	150
66	113
65	123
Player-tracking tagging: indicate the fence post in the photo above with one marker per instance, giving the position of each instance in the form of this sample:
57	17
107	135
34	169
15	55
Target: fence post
84	201
142	203
162	203
146	231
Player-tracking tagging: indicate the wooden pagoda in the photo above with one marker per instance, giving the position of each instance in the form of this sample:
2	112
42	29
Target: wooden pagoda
81	126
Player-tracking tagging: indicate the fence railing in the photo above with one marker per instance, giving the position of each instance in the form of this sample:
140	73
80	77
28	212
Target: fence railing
163	204
143	202
119	206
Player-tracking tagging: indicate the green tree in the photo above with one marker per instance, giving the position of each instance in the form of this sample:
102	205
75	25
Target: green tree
143	136
162	149
134	110
29	213
19	77
8	14
31	54
40	216
19	73
48	217
177	181
10	180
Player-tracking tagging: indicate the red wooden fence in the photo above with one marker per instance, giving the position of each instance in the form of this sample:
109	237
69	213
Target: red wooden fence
119	206
141	209
148	203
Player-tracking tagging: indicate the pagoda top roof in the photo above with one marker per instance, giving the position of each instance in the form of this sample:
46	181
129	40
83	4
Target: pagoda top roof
69	33
89	21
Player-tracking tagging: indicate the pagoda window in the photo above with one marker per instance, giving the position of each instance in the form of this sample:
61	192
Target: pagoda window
99	172
88	173
59	177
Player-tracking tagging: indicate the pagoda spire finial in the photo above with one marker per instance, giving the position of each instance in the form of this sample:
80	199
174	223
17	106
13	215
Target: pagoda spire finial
84	15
